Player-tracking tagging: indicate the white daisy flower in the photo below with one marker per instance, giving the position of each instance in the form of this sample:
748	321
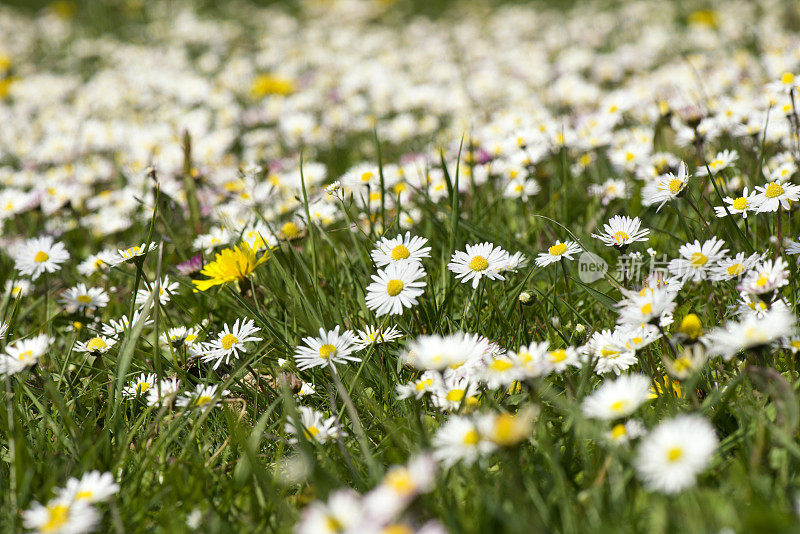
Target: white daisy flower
163	390
368	336
400	249
230	341
117	327
134	252
92	487
39	255
453	391
216	237
458	440
665	188
479	261
766	277
500	372
202	398
426	383
23	353
165	291
775	195
697	259
609	352
738	206
18	288
621	231
720	162
82	299
618	398
730	268
438	352
650	305
793	248
561	359
327	349
97	345
140	386
343	512
516	261
395	288
622	433
315	426
532	360
61	516
558	251
670	457
752	332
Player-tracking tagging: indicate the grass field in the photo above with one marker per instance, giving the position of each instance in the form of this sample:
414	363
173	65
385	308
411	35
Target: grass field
396	267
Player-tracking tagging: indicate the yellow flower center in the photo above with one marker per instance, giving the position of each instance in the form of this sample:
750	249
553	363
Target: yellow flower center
735	270
312	431
773	190
141	387
96	343
558	356
501	365
675	186
326	351
621	236
698	259
682	364
85	494
740	203
609	352
57	517
787	78
471	438
716	163
41	257
619	405
25	356
763	279
455	395
691	326
674	454
228	340
400	481
557	250
394	287
400	252
423	384
84	299
478	263
290	230
618	431
203	399
647	309
367	176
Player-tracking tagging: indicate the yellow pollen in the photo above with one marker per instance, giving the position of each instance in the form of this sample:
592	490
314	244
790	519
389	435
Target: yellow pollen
621	236
203	399
471	438
675	186
423	384
619	405
400	481
400	252
558	356
41	257
557	250
141	387
85	494
608	352
698	259
228	340
455	395
84	299
312	431
478	263
25	356
501	365
763	278
326	351
787	78
674	454
96	343
394	287
367	176
735	270
57	517
740	203
773	190
647	309
618	431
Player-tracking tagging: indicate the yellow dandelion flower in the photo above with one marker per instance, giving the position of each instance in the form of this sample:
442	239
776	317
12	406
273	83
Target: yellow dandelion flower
230	265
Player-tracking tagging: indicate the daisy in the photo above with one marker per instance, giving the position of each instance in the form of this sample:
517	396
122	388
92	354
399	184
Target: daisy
454	391
61	516
622	231
139	386
438	352
673	453
18	288
516	261
561	359
793	248
505	429
426	383
481	260
230	341
650	305
500	372
23	353
458	440
395	288
39	255
203	397
92	487
215	237
399	486
665	188
343	512
82	299
737	206
368	336
96	345
400	249
532	360
720	162
162	391
609	352
609	190
622	433
766	277
730	268
327	349
558	251
618	398
165	290
314	425
97	262
183	336
134	252
752	332
775	195
697	259
116	327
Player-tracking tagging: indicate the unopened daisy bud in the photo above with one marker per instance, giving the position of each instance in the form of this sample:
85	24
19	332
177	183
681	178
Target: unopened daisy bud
579	328
773	240
526	299
508	430
555	321
691	326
